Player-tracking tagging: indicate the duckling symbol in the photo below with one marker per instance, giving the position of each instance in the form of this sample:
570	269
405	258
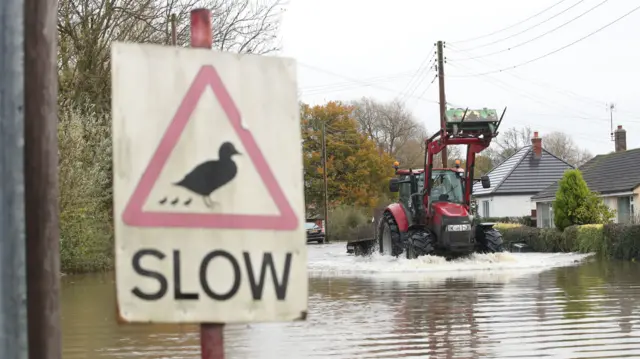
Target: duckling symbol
211	175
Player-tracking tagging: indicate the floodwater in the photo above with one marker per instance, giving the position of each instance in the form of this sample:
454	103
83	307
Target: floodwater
520	305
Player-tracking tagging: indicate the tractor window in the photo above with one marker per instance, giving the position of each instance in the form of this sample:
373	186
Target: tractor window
404	190
421	182
447	187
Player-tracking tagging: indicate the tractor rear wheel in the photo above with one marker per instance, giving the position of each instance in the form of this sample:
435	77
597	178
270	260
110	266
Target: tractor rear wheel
493	241
389	240
420	243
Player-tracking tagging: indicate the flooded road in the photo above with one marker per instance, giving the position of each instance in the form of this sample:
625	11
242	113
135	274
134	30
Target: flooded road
522	305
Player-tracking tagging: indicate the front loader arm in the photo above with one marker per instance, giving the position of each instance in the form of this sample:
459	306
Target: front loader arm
472	149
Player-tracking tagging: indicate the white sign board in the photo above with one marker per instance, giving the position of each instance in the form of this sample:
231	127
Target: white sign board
208	187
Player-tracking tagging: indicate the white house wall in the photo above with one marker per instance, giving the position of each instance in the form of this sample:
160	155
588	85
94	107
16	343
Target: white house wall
610	201
506	206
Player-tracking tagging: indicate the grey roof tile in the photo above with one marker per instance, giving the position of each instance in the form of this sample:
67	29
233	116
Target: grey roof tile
610	173
523	174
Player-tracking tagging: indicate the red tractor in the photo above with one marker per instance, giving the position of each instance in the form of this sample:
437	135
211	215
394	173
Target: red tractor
434	216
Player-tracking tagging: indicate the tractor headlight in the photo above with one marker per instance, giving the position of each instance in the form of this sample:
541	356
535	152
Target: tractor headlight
458	227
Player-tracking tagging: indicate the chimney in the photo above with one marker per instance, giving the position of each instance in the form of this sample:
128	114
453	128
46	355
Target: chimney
536	143
620	136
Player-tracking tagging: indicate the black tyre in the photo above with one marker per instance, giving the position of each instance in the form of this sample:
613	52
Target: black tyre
420	243
493	241
389	240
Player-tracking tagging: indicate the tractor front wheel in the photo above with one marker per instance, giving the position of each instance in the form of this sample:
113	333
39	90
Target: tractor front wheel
493	241
389	240
420	243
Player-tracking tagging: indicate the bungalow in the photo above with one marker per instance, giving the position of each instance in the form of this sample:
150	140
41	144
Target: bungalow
513	182
615	176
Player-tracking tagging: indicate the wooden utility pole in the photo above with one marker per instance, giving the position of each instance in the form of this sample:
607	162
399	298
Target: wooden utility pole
442	100
324	177
41	178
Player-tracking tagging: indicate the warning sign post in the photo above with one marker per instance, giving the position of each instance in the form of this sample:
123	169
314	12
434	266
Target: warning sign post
208	187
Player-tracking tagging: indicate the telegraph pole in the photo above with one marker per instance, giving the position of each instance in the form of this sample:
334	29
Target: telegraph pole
324	175
443	100
41	178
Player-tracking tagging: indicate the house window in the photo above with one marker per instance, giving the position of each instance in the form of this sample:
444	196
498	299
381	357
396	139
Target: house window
546	215
485	209
624	209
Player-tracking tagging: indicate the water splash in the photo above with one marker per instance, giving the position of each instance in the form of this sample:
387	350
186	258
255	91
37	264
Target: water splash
333	260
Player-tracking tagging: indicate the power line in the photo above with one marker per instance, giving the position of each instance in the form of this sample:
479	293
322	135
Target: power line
557	50
569	93
537	37
425	72
373	78
429	86
356	80
511	26
420	68
542	101
341	86
529	28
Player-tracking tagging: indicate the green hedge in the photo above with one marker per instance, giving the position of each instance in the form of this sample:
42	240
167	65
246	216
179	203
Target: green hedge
611	240
525	220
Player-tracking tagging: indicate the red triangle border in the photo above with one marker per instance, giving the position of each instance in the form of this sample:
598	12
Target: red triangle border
133	214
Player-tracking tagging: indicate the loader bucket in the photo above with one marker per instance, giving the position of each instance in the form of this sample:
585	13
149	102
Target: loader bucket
474	121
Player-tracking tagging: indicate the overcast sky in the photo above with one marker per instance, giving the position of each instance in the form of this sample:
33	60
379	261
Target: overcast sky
352	48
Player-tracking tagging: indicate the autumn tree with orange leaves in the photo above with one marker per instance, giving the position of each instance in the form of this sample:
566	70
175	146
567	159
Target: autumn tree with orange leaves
358	173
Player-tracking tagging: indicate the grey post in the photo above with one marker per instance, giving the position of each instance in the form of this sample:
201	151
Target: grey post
13	317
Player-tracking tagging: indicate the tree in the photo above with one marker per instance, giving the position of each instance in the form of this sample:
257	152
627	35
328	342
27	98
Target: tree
357	172
575	204
390	125
559	144
397	132
563	146
86	29
509	142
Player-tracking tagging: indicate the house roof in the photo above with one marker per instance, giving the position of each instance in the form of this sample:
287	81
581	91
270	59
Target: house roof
610	173
522	173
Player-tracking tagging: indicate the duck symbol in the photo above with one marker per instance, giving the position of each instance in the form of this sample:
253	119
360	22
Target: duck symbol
210	175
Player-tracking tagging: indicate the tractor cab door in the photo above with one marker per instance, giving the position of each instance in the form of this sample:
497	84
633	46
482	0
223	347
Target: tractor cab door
404	195
410	195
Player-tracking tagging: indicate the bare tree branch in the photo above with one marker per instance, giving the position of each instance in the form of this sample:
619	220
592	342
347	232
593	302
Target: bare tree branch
87	27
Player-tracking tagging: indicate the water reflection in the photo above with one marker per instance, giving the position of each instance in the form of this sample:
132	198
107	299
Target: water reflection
585	311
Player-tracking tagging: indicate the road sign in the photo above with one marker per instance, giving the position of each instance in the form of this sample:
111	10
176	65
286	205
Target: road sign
208	186
207	78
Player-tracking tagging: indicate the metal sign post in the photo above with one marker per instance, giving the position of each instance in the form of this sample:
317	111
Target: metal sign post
209	224
211	334
13	291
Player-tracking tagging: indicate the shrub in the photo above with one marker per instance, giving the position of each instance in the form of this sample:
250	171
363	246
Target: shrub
590	238
86	233
347	222
608	241
525	220
513	233
575	204
623	241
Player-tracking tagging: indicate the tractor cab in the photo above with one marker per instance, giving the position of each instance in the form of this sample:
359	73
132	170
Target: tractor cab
447	186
